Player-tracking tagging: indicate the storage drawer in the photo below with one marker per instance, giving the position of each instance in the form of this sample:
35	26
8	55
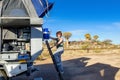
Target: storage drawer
9	56
15	69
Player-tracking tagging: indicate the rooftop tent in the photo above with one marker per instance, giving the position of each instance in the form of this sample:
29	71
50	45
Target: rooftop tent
42	7
18	12
14	8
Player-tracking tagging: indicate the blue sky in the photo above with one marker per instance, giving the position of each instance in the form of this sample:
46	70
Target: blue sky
97	17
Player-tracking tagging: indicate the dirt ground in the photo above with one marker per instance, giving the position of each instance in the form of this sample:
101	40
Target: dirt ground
87	66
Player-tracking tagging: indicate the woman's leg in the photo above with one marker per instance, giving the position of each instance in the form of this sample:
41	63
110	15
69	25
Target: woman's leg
57	56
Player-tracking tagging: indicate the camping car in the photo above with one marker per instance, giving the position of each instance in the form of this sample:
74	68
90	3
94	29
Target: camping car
21	34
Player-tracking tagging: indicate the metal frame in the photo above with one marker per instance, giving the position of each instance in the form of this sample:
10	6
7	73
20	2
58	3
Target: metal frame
35	23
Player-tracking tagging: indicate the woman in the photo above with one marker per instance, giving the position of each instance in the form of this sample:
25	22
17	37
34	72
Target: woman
57	54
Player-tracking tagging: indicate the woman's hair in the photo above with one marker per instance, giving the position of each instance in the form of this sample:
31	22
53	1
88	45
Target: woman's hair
59	32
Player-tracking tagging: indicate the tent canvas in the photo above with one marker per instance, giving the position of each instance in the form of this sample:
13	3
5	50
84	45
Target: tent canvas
25	11
42	7
13	8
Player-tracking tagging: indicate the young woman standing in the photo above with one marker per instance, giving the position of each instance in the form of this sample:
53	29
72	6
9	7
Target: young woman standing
60	49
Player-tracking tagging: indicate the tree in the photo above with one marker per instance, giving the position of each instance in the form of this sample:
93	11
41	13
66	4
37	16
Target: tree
95	41
95	37
67	36
88	42
88	36
86	46
107	42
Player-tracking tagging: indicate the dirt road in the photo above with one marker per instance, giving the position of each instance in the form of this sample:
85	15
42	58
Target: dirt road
80	67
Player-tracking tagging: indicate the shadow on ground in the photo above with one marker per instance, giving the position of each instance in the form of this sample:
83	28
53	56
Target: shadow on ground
76	69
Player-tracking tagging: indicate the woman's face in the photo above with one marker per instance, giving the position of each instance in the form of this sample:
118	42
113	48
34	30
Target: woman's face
58	35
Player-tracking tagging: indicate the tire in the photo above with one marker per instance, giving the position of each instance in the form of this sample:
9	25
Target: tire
3	75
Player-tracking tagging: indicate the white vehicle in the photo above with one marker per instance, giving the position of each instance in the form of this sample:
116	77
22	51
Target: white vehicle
20	34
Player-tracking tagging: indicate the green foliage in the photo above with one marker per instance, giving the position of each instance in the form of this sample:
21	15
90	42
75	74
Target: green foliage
95	37
107	42
67	35
85	47
88	36
97	50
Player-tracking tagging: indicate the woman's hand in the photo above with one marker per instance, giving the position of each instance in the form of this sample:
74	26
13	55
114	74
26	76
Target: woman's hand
52	47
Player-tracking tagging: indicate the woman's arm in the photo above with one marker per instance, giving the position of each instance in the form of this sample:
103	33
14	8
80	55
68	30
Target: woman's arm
60	41
53	38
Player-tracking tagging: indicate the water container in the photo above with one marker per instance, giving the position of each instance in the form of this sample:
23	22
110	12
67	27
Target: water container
46	34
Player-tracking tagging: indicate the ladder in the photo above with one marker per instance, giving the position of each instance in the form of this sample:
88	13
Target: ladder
54	61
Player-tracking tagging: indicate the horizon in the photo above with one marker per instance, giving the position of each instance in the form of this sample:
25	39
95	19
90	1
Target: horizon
101	17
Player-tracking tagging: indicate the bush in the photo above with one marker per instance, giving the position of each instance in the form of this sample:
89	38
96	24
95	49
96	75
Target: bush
44	55
97	50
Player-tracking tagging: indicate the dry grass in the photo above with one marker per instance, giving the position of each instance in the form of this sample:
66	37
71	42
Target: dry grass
77	52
